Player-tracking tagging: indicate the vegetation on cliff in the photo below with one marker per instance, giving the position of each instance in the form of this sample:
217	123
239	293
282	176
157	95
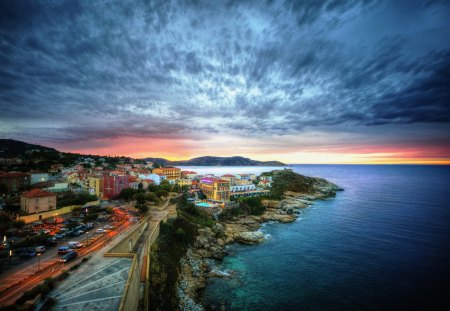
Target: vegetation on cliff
171	246
287	180
247	206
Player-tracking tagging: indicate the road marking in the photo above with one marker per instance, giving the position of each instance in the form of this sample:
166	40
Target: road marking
82	280
91	291
87	301
89	284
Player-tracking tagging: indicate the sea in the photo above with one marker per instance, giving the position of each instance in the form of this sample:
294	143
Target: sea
381	244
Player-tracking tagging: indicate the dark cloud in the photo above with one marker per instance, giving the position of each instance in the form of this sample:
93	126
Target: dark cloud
172	68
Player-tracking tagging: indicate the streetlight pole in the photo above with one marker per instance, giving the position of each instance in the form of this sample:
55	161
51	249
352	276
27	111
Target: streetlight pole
39	260
87	238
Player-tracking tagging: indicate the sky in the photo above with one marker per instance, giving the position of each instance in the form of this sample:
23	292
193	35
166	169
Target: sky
296	81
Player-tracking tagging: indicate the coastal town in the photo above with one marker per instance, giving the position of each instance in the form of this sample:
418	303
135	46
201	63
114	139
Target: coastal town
55	219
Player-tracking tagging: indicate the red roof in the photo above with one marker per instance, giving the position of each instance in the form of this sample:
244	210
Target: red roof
228	175
38	193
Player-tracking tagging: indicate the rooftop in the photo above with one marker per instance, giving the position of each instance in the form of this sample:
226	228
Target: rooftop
35	193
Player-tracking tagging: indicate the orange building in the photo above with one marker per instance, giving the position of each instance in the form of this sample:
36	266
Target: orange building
215	189
171	173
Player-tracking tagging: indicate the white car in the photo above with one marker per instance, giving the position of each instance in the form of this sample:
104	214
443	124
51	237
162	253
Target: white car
108	227
101	230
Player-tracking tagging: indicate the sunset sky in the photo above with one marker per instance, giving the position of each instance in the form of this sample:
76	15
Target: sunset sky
294	81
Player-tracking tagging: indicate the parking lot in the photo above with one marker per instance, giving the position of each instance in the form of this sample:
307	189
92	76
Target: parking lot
18	267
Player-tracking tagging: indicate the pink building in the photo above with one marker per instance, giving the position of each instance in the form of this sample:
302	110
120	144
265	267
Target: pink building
113	185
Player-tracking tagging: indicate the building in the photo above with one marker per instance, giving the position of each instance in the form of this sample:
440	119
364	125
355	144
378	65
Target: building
171	173
72	178
58	187
230	178
36	177
113	185
265	183
184	182
215	189
188	174
37	201
243	188
15	181
155	178
94	185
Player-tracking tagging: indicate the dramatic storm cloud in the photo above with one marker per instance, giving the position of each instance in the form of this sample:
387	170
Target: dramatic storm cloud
257	77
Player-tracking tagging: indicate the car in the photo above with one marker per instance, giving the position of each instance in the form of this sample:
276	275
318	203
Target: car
29	252
108	227
75	244
59	236
44	231
64	250
100	230
68	257
40	249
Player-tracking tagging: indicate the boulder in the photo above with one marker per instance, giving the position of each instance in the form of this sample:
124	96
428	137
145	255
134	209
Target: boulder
250	237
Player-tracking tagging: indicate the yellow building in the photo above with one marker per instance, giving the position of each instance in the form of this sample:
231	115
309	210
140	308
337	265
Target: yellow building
184	182
72	178
37	201
215	189
170	172
94	185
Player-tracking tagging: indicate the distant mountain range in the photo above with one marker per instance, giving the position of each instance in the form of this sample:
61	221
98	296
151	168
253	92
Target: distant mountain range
10	148
216	161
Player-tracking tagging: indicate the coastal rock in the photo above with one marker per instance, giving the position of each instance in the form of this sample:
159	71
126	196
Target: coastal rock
250	237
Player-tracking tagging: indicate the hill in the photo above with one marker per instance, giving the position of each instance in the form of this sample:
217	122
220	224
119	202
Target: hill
225	161
10	148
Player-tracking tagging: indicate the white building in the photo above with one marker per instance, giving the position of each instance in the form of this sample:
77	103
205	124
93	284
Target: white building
155	177
36	177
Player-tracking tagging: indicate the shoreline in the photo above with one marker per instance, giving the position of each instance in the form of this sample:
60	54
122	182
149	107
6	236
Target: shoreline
211	243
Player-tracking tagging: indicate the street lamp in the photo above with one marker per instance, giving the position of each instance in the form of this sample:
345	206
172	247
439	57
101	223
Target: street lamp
87	238
39	261
10	254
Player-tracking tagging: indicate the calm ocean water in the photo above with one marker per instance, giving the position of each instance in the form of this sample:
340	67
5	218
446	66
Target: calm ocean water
382	244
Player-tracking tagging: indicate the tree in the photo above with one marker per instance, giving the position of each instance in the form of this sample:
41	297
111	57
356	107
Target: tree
3	189
153	188
76	211
91	217
140	186
165	185
127	194
140	198
162	193
5	223
151	197
18	224
142	208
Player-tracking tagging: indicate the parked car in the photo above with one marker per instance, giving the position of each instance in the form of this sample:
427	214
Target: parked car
59	236
40	249
75	244
108	227
29	252
64	250
100	230
69	256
